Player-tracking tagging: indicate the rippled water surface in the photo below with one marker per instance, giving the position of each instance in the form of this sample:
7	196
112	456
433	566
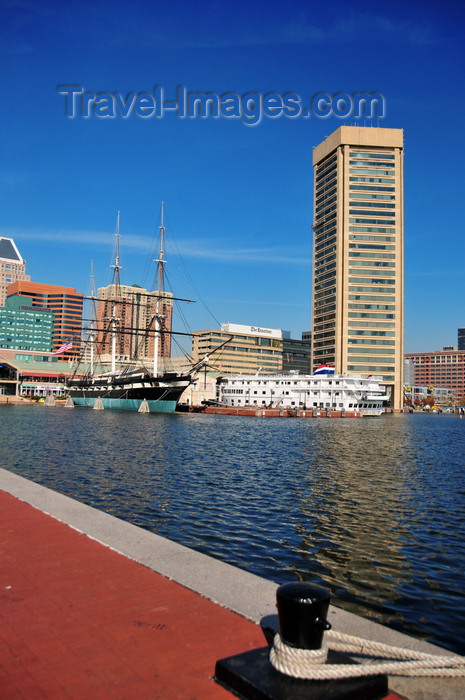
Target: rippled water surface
371	508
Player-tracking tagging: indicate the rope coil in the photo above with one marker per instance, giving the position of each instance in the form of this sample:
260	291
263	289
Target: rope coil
311	663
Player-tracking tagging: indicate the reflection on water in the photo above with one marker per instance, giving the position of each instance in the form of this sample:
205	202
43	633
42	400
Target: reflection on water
392	537
372	509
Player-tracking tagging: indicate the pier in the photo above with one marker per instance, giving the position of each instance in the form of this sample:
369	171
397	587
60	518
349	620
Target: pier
275	412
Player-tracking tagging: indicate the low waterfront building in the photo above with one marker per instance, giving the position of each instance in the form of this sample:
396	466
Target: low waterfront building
441	368
204	387
426	395
251	348
31	373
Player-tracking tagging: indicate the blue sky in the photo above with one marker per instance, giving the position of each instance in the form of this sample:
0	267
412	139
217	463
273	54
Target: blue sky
238	197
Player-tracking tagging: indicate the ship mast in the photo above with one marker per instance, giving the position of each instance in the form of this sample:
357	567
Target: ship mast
93	314
158	315
113	319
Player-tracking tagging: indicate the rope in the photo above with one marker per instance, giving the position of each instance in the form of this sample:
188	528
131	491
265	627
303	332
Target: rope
312	663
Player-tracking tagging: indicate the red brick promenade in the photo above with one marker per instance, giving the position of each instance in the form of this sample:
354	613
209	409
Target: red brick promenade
80	621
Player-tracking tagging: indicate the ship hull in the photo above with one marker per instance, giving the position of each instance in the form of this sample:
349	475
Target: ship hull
159	406
161	395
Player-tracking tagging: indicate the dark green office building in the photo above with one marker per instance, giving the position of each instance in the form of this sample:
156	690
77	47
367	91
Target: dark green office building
25	327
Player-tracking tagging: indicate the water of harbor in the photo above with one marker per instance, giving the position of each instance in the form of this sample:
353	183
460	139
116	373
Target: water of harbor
373	509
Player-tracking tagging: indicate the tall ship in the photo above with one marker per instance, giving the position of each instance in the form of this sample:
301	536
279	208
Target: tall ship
323	390
136	385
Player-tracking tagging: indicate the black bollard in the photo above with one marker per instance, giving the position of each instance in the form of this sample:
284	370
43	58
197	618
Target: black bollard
302	612
302	617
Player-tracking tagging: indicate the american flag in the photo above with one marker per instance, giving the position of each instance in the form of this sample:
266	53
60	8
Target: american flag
66	346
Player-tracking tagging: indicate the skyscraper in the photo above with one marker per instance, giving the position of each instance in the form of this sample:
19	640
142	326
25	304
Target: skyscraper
12	266
134	309
461	338
358	267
